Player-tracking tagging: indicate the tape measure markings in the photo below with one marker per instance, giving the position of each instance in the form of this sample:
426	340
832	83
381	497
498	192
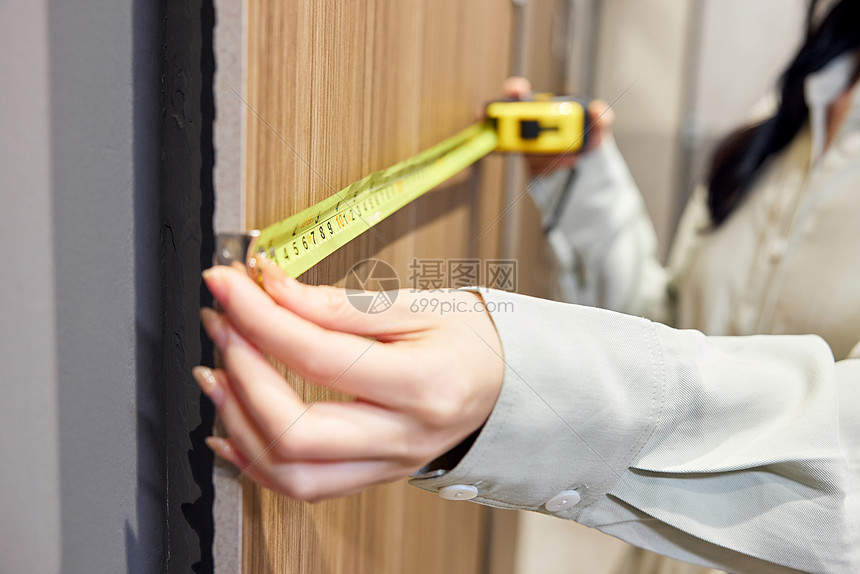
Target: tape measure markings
298	242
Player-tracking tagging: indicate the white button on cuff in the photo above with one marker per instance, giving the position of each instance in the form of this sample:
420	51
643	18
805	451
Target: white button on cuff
778	248
458	492
562	501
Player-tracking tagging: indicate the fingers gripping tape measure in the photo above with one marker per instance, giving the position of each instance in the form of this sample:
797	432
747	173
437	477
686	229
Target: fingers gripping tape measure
300	241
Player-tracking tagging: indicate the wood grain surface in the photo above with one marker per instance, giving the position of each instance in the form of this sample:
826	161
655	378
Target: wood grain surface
336	90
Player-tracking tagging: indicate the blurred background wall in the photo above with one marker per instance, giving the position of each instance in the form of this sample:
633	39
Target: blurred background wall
82	482
680	74
693	69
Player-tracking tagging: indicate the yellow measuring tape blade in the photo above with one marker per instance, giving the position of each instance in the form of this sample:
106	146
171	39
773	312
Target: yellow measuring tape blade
299	242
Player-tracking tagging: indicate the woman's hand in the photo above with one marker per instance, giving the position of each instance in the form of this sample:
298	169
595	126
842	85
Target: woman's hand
423	381
600	121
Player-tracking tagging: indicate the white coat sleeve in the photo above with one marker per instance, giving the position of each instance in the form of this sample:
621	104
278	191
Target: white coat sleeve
604	240
737	453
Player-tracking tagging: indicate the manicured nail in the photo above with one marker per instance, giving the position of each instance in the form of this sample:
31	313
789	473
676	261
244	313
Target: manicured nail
213	322
220	447
216	282
223	449
274	276
255	270
209	384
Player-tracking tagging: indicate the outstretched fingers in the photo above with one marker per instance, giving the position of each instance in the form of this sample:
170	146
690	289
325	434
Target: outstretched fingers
330	430
331	307
360	366
245	447
263	457
418	392
259	387
225	448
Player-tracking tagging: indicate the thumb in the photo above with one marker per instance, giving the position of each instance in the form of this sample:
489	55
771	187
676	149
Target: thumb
517	88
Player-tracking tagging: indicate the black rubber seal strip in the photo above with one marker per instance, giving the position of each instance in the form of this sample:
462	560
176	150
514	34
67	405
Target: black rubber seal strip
188	67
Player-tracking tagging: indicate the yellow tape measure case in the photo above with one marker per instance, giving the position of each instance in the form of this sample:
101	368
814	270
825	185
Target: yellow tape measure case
551	126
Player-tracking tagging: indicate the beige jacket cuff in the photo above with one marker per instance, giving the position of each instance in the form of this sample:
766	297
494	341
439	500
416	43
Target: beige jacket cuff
732	452
546	435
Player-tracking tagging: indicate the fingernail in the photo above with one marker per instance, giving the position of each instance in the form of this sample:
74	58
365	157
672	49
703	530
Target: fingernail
274	276
255	267
220	447
216	282
209	384
213	322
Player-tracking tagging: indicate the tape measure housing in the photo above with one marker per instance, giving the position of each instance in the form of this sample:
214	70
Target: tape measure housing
545	127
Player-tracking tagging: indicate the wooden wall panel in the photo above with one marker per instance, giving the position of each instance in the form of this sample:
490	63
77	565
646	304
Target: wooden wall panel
538	269
338	89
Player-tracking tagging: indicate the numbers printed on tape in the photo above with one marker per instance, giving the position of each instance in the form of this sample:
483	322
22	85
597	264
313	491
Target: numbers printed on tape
548	125
299	242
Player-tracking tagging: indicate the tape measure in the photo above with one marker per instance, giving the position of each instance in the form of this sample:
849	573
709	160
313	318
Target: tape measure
549	125
300	241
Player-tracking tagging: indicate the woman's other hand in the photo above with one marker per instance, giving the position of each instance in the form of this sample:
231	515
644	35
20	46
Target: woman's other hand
424	377
600	121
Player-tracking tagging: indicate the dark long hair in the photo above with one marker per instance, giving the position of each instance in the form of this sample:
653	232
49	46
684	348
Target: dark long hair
739	157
